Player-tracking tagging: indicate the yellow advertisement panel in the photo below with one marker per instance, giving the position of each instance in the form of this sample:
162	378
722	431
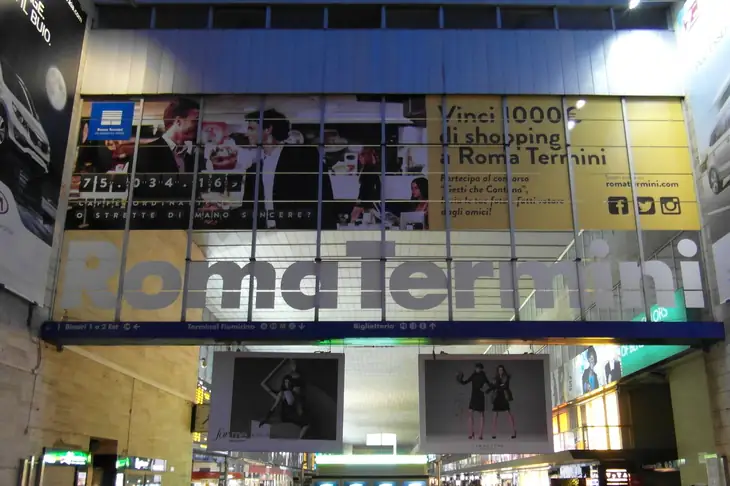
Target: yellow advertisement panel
662	161
477	180
540	145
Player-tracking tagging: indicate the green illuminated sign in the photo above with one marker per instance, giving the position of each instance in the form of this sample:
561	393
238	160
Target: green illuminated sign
66	458
638	357
635	358
678	313
138	463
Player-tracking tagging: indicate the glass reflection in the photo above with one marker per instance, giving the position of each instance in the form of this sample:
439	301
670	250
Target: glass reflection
538	189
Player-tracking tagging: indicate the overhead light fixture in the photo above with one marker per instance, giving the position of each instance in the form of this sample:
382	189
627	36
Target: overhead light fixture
580	104
370	460
633	4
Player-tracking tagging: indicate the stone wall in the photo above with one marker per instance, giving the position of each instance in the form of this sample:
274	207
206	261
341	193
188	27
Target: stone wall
139	396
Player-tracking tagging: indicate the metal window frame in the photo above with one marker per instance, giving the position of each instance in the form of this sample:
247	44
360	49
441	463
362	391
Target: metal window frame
441	24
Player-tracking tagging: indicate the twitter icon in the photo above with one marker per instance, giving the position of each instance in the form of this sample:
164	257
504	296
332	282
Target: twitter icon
646	205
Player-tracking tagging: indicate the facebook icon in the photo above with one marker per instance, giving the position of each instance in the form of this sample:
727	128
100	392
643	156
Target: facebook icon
618	205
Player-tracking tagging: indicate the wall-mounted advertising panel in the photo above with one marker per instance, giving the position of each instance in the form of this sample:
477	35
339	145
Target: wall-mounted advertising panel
496	404
297	168
40	49
275	402
254	161
602	365
703	32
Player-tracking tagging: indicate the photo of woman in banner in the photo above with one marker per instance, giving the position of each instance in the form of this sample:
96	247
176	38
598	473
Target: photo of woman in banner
501	398
289	400
369	171
477	402
590	377
285	398
419	199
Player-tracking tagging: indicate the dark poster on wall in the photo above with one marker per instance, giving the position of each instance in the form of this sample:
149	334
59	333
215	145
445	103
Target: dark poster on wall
40	50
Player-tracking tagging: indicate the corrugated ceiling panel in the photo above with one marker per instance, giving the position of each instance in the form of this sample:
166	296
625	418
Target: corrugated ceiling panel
382	61
598	61
584	49
567	59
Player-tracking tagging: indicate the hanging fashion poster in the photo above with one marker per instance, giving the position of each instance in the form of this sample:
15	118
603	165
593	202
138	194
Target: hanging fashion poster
277	402
496	404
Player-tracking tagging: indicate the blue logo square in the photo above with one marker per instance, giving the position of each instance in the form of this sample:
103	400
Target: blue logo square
111	120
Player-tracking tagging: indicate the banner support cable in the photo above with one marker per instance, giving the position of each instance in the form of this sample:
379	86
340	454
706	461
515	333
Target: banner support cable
383	258
447	209
510	211
191	217
255	215
635	203
320	206
128	215
579	249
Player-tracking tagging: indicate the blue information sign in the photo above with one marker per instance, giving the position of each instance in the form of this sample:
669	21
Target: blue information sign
101	333
111	120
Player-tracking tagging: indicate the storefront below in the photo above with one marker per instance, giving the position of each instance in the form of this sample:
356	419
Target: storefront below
577	468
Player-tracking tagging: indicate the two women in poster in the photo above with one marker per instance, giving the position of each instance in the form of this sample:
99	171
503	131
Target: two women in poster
500	393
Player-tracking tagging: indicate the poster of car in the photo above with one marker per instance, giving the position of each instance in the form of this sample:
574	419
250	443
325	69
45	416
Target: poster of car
702	28
40	50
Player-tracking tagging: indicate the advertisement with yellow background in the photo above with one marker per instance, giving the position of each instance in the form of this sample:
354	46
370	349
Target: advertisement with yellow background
542	142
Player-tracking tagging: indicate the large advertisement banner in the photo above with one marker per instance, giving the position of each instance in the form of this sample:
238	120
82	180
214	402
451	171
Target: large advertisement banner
702	29
276	402
40	49
497	404
543	138
382	163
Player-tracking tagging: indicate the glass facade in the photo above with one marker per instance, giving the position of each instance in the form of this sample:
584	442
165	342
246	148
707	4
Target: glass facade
592	424
365	16
303	208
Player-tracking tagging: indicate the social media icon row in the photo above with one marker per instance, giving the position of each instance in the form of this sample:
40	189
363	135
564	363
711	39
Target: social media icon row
669	205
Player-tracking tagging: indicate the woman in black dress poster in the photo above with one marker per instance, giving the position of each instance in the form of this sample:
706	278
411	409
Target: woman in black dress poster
501	396
477	403
369	178
290	402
